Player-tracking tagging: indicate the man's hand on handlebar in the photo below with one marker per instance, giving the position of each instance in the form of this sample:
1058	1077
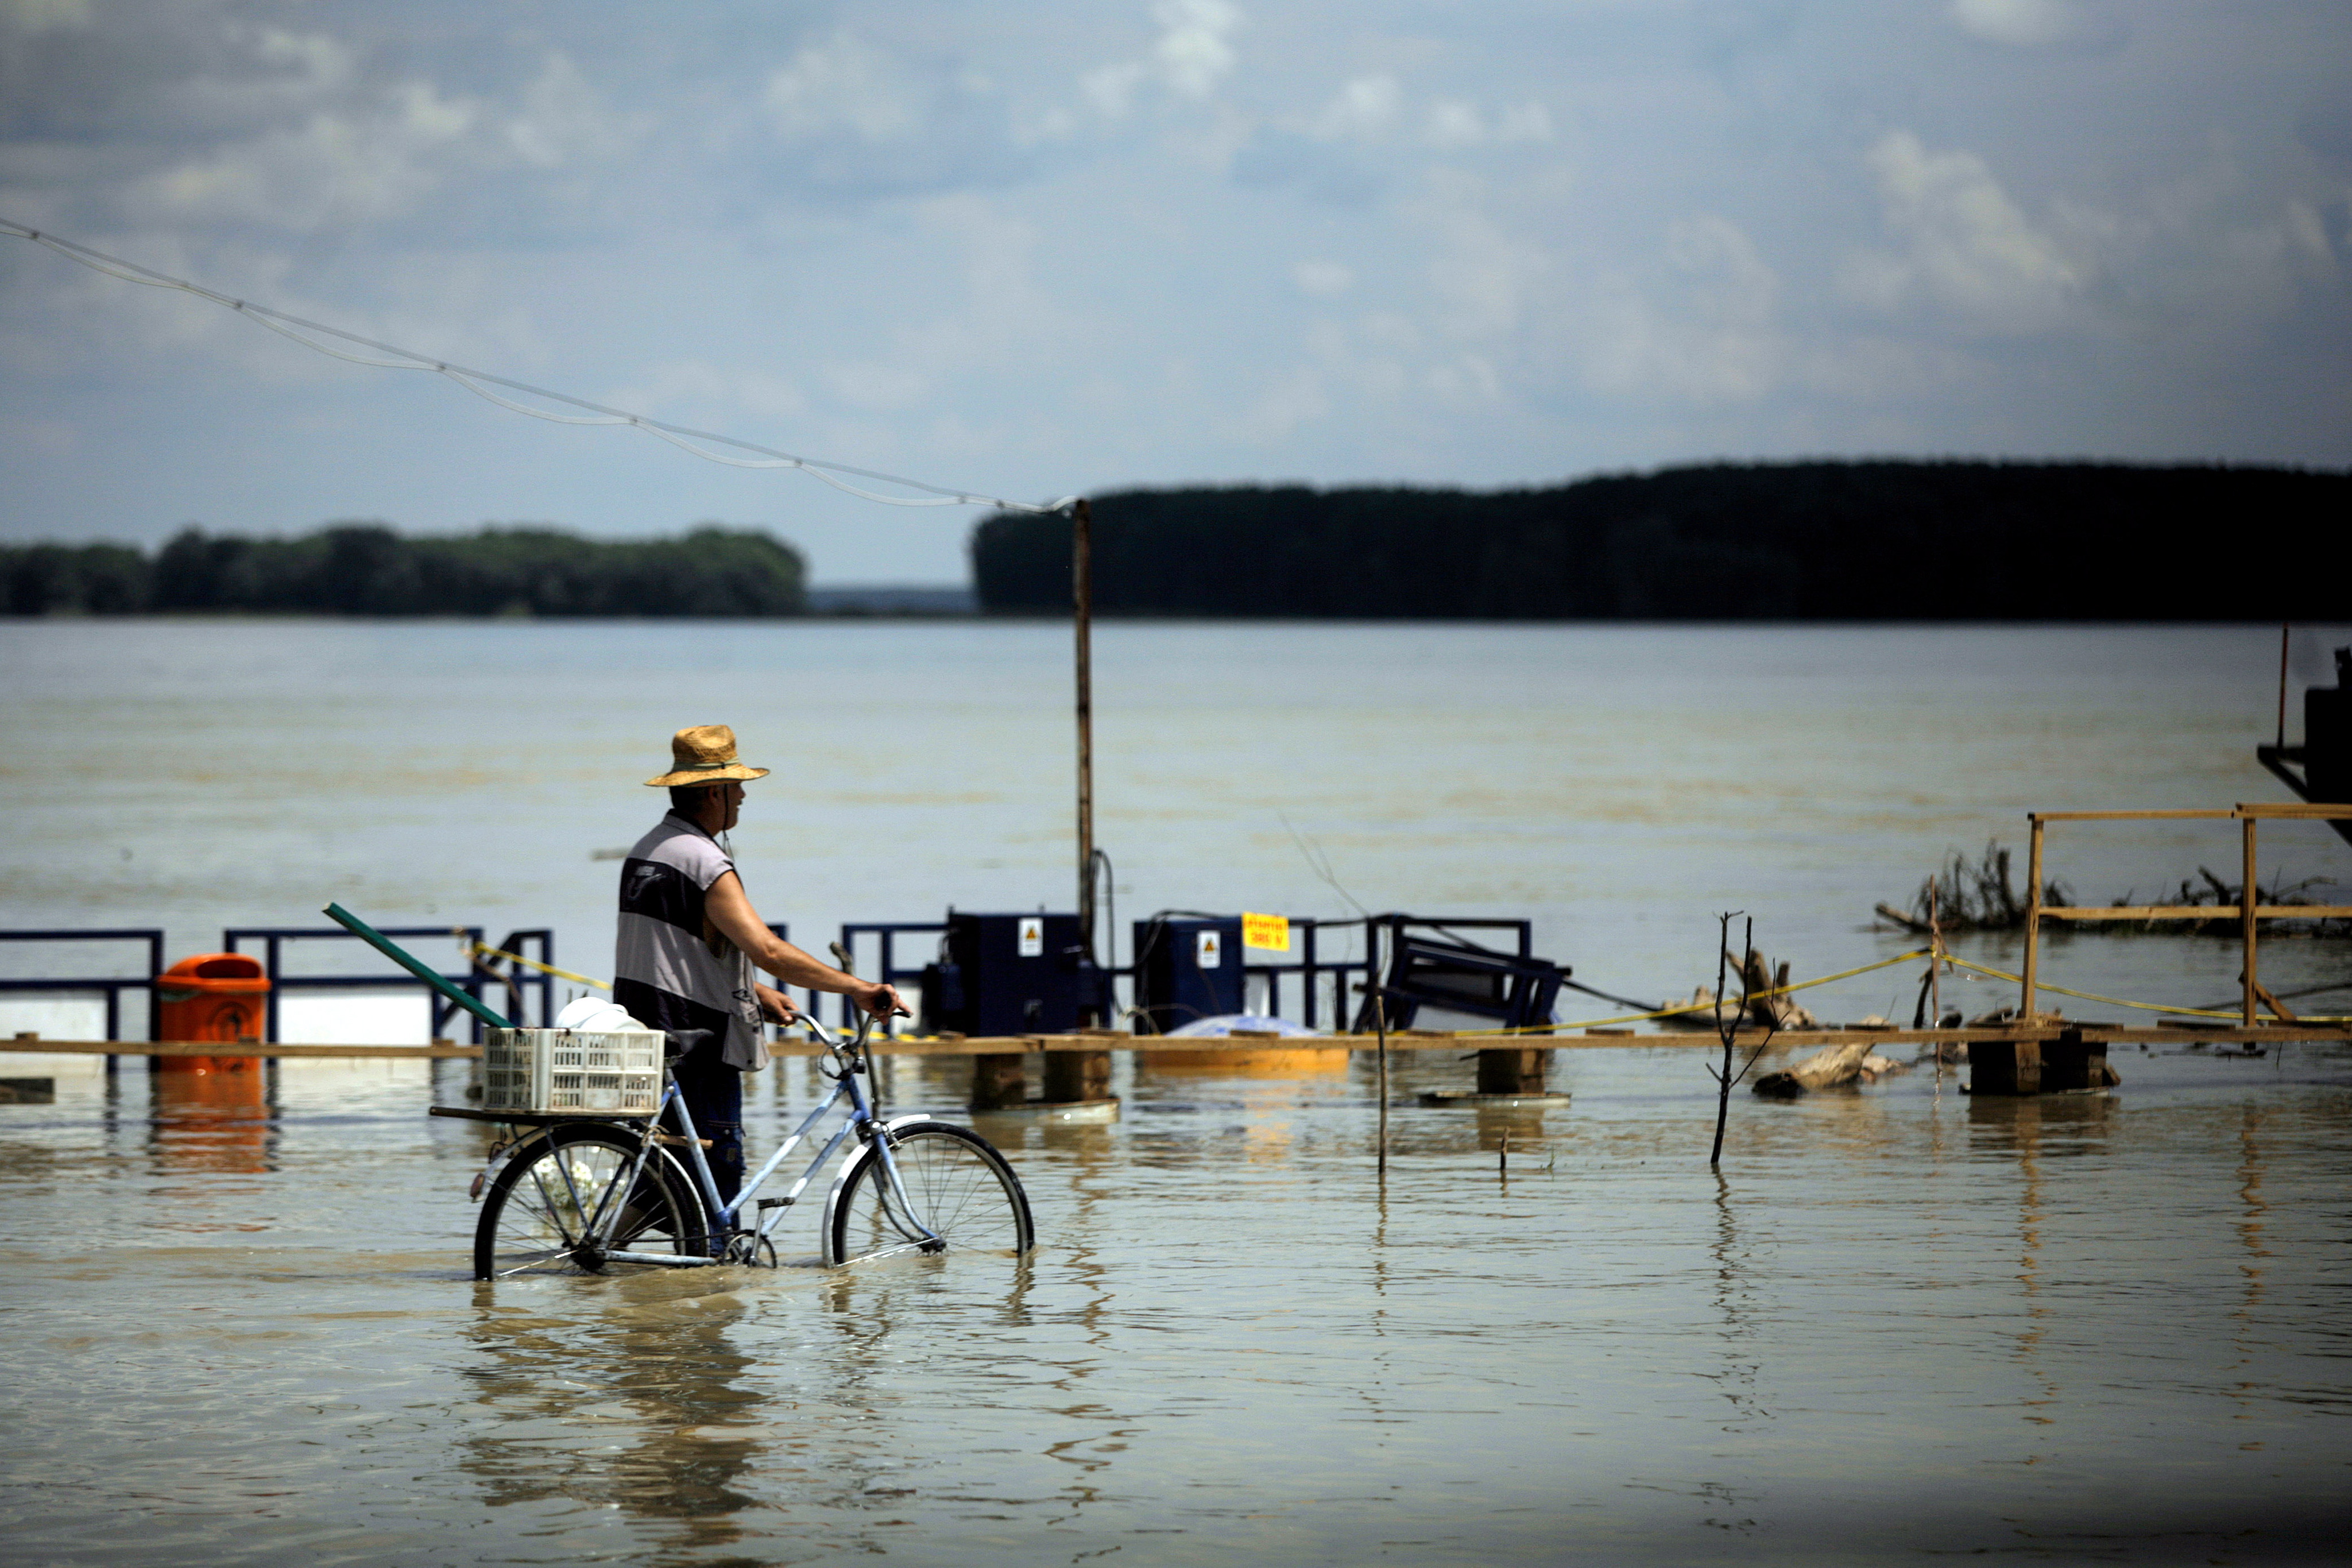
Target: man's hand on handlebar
882	1001
777	1006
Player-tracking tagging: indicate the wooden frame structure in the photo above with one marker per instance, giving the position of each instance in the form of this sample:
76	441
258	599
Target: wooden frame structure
2248	912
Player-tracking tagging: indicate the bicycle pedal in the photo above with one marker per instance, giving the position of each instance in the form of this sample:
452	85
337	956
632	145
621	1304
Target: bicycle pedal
775	1203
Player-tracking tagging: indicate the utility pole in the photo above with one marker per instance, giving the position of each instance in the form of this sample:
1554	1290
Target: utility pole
1082	593
1083	1077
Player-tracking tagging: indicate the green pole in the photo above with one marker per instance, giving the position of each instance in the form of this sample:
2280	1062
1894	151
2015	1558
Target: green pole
414	964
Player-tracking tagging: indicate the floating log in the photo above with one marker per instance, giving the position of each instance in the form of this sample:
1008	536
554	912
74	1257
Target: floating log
1825	1068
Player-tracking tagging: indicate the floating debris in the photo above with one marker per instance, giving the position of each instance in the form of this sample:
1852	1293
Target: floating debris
1965	897
1707	1011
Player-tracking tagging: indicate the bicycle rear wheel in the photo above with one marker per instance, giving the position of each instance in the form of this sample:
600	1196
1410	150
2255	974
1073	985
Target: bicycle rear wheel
962	1192
537	1216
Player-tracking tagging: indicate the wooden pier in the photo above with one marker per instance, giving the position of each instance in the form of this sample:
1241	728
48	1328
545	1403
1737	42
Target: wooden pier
2048	1056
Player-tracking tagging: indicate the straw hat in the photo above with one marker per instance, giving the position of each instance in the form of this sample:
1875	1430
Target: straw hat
704	755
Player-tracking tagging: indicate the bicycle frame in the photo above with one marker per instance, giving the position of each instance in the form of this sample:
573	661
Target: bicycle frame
725	1218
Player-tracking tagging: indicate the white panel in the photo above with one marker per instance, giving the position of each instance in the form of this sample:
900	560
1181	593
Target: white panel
59	1017
359	1018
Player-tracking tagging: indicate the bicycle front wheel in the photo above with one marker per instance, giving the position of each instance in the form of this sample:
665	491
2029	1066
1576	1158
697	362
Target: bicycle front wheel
960	1195
547	1212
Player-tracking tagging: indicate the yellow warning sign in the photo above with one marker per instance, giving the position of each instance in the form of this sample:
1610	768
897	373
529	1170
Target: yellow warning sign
1269	933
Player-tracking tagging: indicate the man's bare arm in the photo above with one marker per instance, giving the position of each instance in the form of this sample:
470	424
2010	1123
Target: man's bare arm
730	909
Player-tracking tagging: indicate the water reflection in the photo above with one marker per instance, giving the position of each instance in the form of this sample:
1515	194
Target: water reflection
1310	1062
214	1114
2253	1223
1732	1291
1522	1124
634	1404
2033	1128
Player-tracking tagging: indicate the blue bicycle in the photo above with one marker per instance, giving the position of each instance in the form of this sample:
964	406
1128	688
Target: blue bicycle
600	1192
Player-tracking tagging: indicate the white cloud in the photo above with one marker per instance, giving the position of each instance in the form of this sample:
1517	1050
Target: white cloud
1485	273
1296	398
1453	124
371	163
1368	107
1963	244
1322	279
564	119
844	84
1111	89
2033	24
36	16
1364	107
318	62
1701	327
1192	55
1194	51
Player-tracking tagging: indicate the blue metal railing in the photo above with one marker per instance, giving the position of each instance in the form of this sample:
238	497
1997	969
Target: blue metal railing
889	973
1394	925
112	984
274	937
516	983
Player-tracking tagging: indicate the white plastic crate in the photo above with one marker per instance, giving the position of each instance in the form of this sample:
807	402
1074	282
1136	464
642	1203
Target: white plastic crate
536	1070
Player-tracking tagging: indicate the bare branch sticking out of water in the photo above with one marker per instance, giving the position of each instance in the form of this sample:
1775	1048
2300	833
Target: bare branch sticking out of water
1727	1029
1961	896
1981	897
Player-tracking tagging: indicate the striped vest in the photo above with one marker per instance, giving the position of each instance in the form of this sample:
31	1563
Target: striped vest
672	968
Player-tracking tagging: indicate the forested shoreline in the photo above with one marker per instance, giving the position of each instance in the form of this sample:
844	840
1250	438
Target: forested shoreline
1797	541
1815	541
366	568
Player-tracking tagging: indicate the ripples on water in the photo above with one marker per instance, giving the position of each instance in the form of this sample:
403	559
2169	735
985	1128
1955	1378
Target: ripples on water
1903	1323
2078	1328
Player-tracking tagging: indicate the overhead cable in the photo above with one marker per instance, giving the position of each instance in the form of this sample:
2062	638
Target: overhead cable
685	438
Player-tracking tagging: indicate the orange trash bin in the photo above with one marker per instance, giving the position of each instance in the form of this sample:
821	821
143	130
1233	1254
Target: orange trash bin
213	995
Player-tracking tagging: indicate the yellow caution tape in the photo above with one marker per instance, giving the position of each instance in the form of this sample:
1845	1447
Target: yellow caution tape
483	949
2118	1001
1682	1009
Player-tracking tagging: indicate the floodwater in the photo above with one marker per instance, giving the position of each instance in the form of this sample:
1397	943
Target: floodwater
1900	1323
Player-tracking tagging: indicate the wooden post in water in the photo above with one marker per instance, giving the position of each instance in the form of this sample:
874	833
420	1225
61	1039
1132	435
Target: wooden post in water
2246	921
1936	976
1073	1075
2281	730
1082	597
1381	1022
2033	919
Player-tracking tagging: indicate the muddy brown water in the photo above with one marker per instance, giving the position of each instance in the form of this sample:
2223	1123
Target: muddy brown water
1901	1321
1901	1324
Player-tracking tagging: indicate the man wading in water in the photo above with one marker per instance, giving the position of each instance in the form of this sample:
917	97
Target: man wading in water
689	939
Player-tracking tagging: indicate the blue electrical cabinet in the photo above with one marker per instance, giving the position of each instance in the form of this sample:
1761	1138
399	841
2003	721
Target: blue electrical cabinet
1011	974
1186	967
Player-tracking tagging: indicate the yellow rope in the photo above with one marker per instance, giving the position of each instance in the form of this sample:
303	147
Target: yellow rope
484	949
1682	1007
487	951
2120	1002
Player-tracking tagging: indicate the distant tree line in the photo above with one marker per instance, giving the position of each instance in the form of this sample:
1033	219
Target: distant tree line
2072	542
366	568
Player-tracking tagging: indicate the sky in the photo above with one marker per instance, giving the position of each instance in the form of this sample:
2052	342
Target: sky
1050	248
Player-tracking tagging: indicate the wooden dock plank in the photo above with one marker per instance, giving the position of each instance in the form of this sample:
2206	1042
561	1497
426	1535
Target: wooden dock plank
38	1046
1005	1045
1693	1040
2196	912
